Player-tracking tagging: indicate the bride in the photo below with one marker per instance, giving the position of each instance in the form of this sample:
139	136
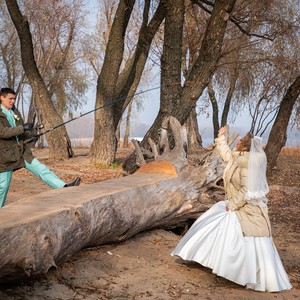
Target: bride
233	237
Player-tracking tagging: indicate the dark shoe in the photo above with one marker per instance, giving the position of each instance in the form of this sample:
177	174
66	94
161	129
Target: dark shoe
76	182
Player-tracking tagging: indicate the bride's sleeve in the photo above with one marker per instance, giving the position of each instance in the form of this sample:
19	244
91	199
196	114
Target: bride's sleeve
238	200
223	148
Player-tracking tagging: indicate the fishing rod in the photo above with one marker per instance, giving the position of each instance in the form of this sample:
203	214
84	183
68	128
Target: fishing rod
39	127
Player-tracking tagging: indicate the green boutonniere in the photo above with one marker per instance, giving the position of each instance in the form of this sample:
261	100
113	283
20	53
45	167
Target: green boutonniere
17	117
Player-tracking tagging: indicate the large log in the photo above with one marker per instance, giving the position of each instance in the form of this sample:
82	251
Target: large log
43	231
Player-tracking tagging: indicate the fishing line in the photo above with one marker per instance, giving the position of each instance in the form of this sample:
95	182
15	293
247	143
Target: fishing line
102	106
84	114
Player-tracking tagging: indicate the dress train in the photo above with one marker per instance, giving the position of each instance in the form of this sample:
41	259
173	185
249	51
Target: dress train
216	241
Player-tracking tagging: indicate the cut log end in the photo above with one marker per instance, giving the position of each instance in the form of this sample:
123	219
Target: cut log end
158	167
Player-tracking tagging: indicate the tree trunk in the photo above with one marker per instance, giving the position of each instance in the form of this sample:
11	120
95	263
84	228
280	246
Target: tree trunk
191	31
115	85
118	135
233	80
278	135
215	109
171	57
194	139
199	75
129	79
170	95
104	144
127	125
206	62
31	110
128	117
162	194
58	141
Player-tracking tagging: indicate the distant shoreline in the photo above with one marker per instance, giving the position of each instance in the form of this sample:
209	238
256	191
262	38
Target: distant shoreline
87	142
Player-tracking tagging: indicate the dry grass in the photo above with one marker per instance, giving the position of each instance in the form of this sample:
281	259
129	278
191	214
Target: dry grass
87	142
293	151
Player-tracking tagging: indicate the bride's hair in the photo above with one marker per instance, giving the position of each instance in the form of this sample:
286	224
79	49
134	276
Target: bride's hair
245	143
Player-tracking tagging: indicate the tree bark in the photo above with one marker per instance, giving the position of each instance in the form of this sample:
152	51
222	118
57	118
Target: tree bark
193	137
127	125
225	113
58	141
206	62
118	135
171	57
278	134
171	90
163	194
215	109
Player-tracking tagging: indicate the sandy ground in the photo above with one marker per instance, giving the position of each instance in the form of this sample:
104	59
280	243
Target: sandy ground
141	267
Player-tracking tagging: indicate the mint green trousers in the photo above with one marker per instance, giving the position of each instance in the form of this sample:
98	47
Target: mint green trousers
37	168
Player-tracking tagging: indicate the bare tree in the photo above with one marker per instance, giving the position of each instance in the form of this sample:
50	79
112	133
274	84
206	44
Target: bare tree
127	125
59	142
116	83
55	31
278	134
253	67
175	100
215	108
11	71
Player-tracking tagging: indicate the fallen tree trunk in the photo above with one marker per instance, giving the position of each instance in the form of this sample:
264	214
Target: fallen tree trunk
43	231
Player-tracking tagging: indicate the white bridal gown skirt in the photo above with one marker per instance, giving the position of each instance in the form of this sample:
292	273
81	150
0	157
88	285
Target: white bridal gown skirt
216	241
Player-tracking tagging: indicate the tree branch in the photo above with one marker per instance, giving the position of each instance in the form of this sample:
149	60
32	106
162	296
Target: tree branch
232	19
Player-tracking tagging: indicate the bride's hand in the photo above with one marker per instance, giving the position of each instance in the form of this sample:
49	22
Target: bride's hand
221	131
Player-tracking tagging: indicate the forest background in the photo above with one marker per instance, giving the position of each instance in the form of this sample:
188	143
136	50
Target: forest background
145	111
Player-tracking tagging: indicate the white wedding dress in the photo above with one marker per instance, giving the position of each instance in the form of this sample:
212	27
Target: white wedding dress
216	241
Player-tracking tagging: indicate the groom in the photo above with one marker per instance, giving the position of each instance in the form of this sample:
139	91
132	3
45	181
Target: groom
15	153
